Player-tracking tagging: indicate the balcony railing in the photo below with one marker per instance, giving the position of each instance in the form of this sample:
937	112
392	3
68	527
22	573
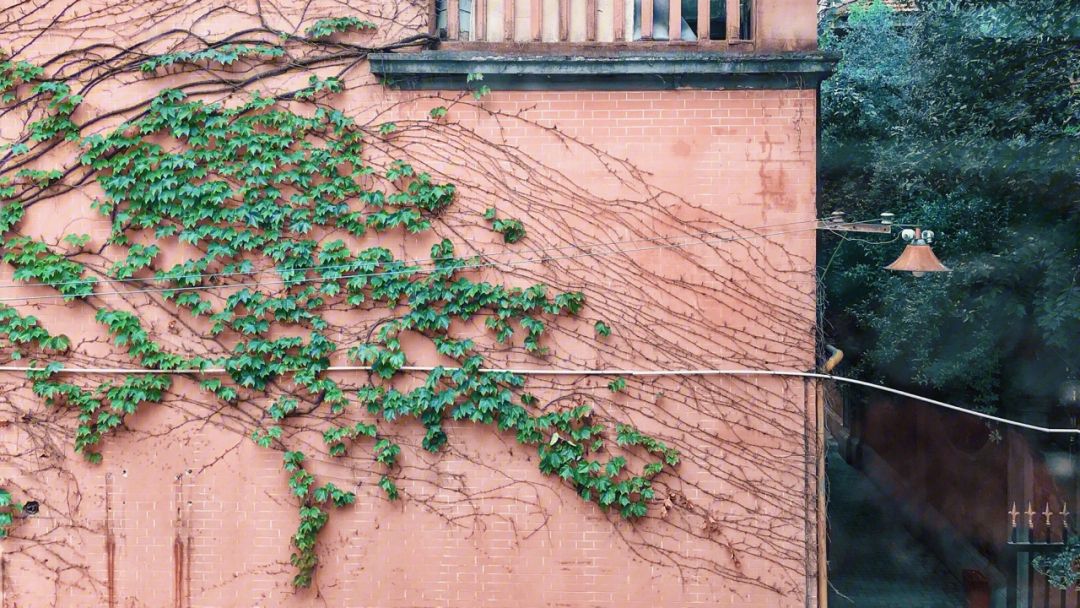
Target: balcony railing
704	23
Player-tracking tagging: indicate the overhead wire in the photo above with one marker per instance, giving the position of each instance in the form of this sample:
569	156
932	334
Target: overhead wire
551	372
555	372
594	372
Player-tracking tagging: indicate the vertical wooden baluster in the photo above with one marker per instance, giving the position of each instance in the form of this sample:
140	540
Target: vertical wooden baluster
480	20
509	26
1030	579
453	13
564	20
590	20
702	20
537	19
674	20
732	20
618	20
646	19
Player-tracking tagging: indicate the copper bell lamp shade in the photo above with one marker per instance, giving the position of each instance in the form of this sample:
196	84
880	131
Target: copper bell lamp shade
918	258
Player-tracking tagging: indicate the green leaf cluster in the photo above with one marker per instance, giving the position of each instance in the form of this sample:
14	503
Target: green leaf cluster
312	515
17	330
57	121
324	28
8	510
224	55
15	73
320	86
512	230
34	261
102	408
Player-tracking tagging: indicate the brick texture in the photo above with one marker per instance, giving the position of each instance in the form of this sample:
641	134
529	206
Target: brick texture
200	516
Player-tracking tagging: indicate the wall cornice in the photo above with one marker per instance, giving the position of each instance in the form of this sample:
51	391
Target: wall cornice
653	70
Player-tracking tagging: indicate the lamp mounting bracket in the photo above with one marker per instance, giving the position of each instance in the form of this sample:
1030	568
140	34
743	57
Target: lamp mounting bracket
842	226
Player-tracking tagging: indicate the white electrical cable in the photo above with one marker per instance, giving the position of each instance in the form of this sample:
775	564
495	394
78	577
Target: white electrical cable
598	372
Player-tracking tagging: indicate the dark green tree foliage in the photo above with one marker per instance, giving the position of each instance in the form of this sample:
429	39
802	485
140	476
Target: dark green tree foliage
962	117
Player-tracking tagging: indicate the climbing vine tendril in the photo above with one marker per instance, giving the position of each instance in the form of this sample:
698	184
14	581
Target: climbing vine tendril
284	183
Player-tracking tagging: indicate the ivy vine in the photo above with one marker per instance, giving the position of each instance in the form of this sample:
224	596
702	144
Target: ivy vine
8	510
254	187
1061	568
511	229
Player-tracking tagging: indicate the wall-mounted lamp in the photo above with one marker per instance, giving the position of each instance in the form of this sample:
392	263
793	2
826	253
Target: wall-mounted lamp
917	258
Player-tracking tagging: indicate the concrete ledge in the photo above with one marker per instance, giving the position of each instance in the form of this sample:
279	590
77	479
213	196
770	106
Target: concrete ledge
448	70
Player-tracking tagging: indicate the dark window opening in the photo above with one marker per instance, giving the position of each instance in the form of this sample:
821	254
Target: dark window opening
690	30
717	19
745	12
661	19
464	20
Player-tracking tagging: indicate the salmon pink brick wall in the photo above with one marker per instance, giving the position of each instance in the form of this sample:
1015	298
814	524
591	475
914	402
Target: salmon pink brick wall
687	219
